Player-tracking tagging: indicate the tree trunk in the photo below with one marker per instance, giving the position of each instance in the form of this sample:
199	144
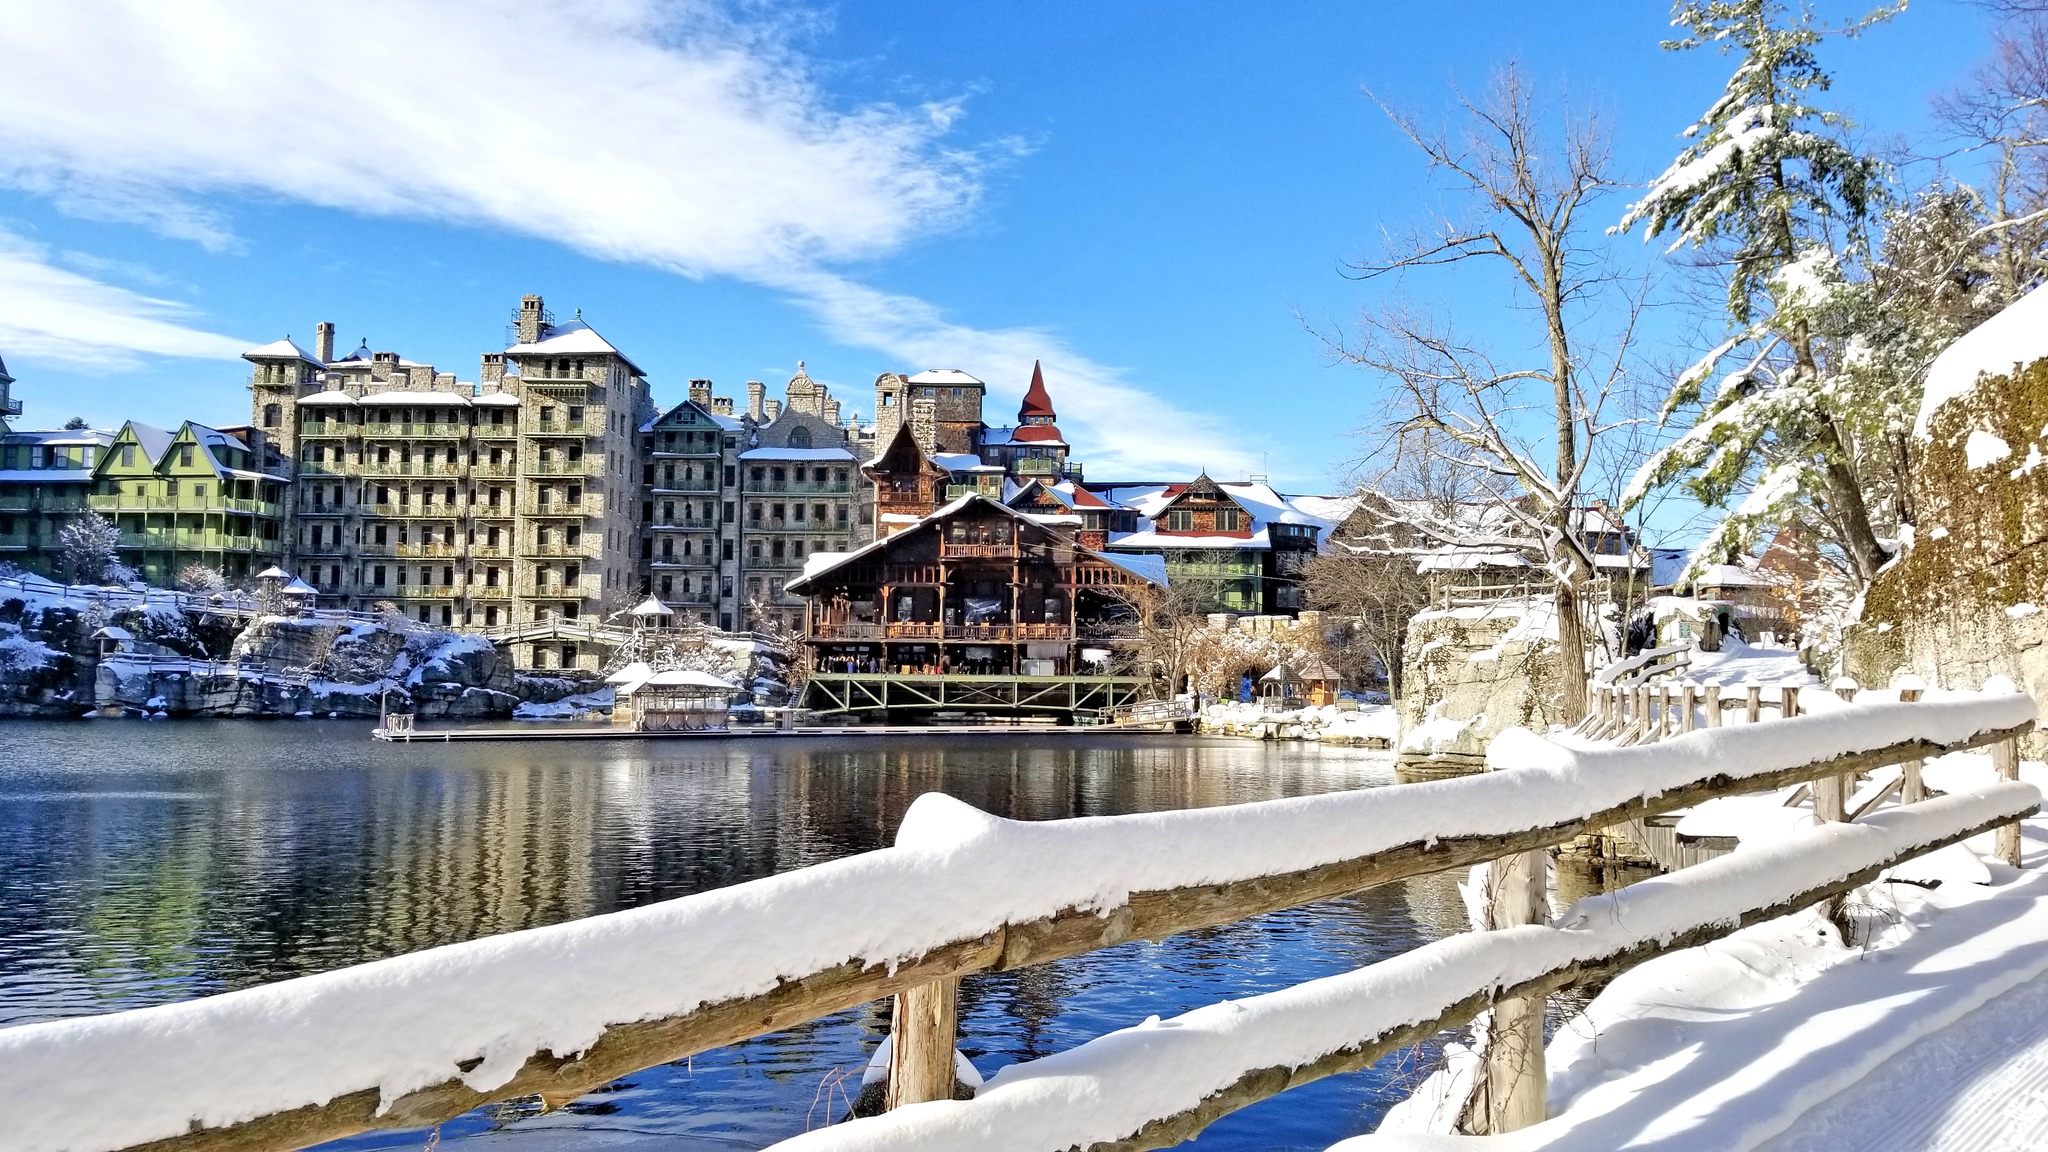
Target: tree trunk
1845	500
1571	648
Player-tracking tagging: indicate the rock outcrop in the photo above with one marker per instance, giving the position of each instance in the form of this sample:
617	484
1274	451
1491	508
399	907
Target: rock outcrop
1968	598
1471	672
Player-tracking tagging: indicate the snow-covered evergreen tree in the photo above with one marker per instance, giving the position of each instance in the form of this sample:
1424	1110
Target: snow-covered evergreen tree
1771	189
88	550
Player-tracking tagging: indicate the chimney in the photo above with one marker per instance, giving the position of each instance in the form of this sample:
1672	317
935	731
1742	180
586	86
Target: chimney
700	392
831	412
323	342
757	393
924	427
721	405
771	409
382	365
493	369
531	319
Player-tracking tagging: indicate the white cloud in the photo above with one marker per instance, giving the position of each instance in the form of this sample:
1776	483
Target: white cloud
657	133
52	313
1126	432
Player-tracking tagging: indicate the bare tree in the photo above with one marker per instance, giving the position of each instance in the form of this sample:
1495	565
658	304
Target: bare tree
1525	188
1163	625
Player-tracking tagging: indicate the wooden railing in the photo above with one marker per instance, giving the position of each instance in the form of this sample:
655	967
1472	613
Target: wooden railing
558	1011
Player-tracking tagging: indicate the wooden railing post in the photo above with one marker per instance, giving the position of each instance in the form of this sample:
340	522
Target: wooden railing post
1686	699
1912	789
2005	756
1512	1090
1756	703
925	1028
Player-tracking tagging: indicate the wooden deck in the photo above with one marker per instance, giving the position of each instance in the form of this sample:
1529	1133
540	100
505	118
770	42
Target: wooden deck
546	731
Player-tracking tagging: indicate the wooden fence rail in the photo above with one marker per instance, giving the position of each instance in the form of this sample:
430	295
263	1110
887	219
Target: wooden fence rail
654	985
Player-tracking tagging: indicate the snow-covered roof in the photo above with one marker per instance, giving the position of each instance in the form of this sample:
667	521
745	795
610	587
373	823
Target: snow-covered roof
406	396
496	399
634	674
995	437
282	350
1151	568
651	607
153	440
572	339
957	461
60	437
273	573
115	632
47	475
944	376
2018	335
797	454
1148	538
331	396
688	678
1730	576
299	587
819	563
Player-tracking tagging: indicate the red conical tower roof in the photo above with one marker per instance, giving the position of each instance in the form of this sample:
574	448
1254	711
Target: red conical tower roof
1036	401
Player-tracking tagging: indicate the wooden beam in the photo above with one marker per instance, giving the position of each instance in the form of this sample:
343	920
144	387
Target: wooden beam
1511	1091
627	1048
1264	1083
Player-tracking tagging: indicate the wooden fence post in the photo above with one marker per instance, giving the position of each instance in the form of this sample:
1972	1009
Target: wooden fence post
1831	793
2005	756
1512	1090
1756	703
1713	700
1686	700
921	1060
1912	789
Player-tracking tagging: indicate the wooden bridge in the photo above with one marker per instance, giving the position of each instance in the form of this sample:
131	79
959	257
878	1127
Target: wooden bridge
556	1012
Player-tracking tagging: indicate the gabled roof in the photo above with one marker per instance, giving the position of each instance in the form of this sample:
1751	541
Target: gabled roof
1036	400
902	455
819	564
282	350
572	339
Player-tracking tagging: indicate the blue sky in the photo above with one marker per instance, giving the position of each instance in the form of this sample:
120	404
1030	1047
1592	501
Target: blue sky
1149	196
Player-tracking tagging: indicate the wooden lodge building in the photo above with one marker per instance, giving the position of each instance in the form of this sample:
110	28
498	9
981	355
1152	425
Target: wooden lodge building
977	607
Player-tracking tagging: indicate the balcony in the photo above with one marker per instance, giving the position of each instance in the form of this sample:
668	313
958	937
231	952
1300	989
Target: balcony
558	509
583	550
827	488
421	430
318	469
685	487
537	427
415	511
425	550
253	507
496	431
581	467
502	470
413	468
328	430
584	588
490	552
490	592
491	511
954	550
426	592
685	524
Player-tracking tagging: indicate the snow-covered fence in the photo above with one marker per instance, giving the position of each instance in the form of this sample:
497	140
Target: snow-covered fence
558	1011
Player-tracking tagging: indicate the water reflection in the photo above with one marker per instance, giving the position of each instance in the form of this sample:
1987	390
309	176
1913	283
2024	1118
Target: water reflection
146	863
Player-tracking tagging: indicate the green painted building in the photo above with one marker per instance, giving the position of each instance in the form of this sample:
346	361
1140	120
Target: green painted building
199	495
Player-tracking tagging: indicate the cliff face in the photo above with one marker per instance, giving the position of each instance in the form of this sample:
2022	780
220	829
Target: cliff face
51	666
1966	600
1468	673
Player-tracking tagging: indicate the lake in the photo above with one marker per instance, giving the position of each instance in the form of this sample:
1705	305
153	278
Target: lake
145	862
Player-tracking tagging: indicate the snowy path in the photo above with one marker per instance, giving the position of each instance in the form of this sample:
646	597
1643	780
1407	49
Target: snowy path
1980	1085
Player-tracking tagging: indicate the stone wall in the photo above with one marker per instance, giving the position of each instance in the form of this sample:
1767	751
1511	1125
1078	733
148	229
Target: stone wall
1969	598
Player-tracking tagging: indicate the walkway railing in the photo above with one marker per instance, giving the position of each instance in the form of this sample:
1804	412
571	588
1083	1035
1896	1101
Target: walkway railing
555	1012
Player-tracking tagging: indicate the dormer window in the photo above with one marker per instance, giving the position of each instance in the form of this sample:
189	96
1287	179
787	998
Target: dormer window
1180	520
1226	520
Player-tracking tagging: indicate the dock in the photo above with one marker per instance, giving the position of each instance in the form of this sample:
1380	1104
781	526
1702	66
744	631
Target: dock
543	731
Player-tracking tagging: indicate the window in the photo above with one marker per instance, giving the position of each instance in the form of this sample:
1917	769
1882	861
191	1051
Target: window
575	414
798	437
271	414
127	455
1180	520
377	576
726	552
184	455
1226	520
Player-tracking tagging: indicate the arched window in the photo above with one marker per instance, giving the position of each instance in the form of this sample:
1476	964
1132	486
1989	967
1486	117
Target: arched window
800	438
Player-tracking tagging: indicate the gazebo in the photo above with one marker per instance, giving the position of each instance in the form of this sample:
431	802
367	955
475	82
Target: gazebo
650	613
676	700
300	595
1287	686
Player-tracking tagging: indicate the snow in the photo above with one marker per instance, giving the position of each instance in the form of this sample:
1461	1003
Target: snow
1983	449
943	376
1358	724
1930	1033
838	454
407	396
282	349
1110	1087
572	339
330	396
1462	561
2017	336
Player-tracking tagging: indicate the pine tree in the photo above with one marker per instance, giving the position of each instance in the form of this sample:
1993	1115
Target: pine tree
1770	189
88	550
